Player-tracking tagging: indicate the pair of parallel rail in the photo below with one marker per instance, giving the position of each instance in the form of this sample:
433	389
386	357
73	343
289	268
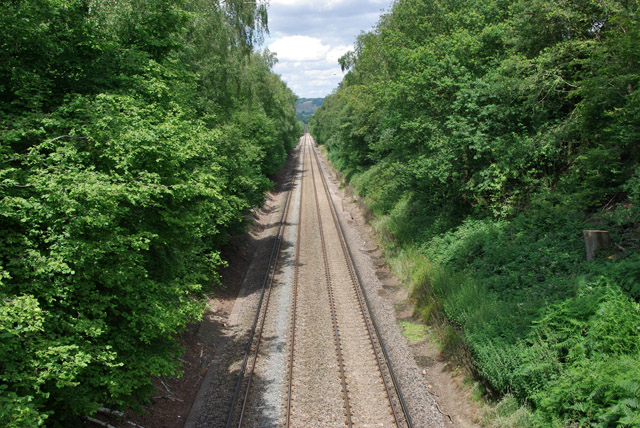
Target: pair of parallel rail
235	416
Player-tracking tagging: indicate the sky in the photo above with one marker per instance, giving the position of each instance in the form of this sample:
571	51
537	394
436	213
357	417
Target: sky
309	36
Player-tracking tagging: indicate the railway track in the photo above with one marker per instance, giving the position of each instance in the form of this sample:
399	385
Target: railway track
337	370
252	349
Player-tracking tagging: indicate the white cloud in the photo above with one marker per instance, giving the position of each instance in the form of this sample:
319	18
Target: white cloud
287	2
308	65
309	36
299	48
335	53
315	4
311	78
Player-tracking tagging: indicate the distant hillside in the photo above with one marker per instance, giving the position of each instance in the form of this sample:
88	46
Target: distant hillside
305	107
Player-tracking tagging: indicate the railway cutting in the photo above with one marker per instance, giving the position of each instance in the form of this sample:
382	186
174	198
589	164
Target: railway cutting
314	355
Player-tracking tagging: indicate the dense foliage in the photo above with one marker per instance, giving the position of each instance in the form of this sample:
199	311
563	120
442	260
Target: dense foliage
486	135
134	136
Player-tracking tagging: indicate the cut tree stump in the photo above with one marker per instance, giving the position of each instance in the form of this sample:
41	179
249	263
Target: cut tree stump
595	240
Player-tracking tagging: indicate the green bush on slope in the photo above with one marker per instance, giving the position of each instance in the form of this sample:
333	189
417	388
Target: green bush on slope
129	152
486	136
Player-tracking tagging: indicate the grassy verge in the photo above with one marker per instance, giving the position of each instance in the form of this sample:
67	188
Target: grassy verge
553	338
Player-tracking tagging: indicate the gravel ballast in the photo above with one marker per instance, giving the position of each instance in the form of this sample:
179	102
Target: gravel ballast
318	396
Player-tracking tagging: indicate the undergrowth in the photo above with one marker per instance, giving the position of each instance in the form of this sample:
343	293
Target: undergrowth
485	138
517	303
553	338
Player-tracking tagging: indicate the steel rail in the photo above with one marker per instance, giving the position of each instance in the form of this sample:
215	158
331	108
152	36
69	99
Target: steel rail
266	286
366	309
334	318
360	293
295	294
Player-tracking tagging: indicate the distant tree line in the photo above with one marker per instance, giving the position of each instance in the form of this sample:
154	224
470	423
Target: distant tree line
305	107
486	135
135	136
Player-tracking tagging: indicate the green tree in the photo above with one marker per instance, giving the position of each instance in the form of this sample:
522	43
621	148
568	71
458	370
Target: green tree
135	136
485	135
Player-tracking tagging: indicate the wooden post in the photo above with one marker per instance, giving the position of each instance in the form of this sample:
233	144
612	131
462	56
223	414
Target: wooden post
595	240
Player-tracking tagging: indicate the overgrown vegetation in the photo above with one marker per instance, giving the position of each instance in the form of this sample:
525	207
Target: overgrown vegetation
486	135
135	135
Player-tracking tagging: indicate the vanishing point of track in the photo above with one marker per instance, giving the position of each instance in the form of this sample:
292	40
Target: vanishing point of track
362	374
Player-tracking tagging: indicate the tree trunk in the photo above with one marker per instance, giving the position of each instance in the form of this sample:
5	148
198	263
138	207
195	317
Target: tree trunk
595	240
